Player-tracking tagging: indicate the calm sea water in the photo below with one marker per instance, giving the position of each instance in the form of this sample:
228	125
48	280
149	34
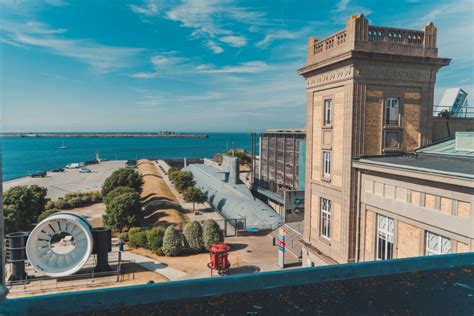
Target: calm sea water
23	156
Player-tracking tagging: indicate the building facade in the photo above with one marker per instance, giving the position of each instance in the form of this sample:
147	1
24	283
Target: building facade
370	92
418	204
280	178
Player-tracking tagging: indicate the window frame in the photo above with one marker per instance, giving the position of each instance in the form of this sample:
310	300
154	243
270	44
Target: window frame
327	112
384	236
325	218
387	106
431	251
327	164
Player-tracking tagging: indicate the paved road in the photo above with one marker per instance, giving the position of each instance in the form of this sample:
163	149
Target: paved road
153	265
58	184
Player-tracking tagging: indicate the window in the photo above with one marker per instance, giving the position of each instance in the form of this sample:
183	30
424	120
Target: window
392	112
325	218
327	112
327	164
437	244
385	229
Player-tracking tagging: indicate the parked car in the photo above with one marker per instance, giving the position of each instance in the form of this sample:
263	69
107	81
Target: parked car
73	165
39	174
85	170
91	162
131	164
58	170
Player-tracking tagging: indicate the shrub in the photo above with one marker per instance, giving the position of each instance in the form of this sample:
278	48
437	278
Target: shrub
132	231
172	173
193	236
47	213
123	177
116	192
154	238
172	244
138	240
123	211
96	197
62	204
159	252
49	205
75	202
211	233
124	236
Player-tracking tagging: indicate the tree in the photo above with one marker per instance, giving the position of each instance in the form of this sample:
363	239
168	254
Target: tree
194	195
211	232
123	177
123	211
193	236
154	237
183	180
172	173
116	192
172	244
22	206
132	231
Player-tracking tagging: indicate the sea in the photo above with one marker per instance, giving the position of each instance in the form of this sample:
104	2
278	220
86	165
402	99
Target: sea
23	156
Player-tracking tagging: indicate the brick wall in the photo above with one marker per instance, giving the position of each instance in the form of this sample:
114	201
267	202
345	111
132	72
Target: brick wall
369	235
373	127
408	241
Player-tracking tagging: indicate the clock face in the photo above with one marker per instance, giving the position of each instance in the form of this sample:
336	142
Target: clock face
60	245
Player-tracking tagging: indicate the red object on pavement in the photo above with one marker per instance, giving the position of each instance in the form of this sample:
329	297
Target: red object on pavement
219	261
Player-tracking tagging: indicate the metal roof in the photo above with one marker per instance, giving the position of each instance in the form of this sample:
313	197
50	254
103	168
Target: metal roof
448	147
233	201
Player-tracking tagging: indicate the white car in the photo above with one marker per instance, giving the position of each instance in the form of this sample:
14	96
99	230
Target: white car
73	165
85	170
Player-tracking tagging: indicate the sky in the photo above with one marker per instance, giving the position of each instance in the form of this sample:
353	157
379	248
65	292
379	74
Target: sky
189	65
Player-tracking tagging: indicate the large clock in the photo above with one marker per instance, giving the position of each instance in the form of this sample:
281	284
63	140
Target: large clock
60	244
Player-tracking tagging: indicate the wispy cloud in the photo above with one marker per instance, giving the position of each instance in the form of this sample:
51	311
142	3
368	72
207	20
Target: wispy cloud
35	34
149	8
249	67
345	8
210	20
234	41
276	35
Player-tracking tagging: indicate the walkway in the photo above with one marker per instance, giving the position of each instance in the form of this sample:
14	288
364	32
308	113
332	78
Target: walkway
153	265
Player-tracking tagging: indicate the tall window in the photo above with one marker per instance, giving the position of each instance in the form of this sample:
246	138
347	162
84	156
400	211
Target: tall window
437	244
325	218
327	164
392	111
327	112
385	229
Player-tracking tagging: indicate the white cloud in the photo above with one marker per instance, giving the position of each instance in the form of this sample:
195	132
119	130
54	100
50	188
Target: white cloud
234	41
166	59
144	75
214	47
209	20
101	57
342	5
276	35
243	68
344	9
149	8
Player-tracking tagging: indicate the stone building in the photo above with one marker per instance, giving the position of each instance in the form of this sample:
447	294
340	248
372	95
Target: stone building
370	92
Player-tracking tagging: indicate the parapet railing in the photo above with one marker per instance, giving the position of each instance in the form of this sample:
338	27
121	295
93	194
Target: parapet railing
385	34
330	42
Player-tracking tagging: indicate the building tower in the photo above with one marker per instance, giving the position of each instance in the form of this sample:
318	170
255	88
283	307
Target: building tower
369	92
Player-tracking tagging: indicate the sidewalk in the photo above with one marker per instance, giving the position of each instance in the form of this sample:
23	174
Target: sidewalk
153	265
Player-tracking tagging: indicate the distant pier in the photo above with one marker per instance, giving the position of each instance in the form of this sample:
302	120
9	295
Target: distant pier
102	135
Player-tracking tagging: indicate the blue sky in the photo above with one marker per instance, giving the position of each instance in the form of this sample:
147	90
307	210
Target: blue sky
188	65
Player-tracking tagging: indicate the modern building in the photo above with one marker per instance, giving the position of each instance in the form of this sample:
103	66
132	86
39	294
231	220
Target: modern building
454	103
370	92
279	180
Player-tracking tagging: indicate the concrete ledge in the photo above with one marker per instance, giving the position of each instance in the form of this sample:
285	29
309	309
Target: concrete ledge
127	297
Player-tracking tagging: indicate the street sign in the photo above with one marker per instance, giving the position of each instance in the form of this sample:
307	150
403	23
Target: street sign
281	247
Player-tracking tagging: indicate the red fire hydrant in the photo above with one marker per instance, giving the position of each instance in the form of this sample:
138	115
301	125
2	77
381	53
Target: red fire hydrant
219	252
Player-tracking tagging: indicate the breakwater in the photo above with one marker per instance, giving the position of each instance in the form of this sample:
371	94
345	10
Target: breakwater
102	135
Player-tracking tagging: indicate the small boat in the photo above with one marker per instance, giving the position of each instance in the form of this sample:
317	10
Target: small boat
63	146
